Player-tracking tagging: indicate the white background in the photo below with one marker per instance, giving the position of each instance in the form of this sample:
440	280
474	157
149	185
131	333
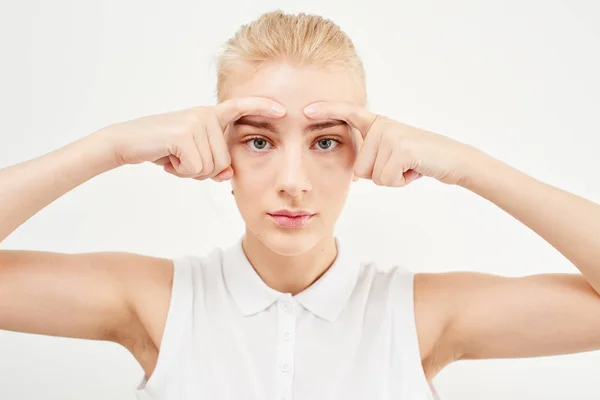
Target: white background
517	79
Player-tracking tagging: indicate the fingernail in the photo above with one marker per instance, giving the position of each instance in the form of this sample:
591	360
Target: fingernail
277	109
311	110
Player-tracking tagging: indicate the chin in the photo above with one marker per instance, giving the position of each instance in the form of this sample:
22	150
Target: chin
289	242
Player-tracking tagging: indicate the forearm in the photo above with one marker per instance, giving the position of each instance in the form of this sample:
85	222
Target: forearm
30	186
569	223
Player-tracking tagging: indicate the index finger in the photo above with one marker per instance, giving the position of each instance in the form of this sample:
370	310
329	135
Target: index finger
235	108
356	116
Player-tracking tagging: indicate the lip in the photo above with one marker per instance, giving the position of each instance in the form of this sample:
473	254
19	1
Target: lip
291	213
291	219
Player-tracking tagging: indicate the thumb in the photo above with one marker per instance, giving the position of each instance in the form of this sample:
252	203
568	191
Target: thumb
355	115
224	175
411	175
235	108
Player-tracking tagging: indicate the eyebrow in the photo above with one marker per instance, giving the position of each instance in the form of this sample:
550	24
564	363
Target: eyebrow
317	126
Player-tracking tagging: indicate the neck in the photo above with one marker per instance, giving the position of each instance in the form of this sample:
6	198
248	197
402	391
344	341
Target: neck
289	274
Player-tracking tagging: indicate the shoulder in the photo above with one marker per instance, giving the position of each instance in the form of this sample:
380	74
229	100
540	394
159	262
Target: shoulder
424	303
421	301
165	281
439	299
432	316
160	289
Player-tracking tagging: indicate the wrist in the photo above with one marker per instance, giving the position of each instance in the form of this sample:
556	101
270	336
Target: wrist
102	147
476	166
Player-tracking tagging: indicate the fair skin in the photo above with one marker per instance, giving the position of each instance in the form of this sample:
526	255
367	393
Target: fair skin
127	295
294	168
547	314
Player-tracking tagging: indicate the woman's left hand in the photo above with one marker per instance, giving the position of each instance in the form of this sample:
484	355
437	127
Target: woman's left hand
395	154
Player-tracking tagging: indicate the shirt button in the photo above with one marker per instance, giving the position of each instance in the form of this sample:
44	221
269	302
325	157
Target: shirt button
285	367
287	307
287	335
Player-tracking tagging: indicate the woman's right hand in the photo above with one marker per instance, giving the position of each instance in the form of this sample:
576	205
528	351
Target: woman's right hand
189	143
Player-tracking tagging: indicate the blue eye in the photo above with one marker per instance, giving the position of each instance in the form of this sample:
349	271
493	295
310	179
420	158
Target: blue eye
325	143
262	145
258	143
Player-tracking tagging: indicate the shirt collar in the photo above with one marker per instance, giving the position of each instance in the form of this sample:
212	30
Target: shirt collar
325	298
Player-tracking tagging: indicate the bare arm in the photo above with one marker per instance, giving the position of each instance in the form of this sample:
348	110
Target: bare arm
87	295
490	316
72	295
483	316
117	296
569	223
30	186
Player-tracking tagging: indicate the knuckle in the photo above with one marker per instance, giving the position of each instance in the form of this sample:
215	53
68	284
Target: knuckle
196	117
361	172
235	106
216	123
209	167
384	178
199	137
386	138
221	165
225	159
397	181
193	170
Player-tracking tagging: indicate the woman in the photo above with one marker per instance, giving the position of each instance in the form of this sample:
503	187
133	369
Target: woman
288	312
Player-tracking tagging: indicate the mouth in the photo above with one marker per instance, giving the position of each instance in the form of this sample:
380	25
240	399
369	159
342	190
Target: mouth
291	219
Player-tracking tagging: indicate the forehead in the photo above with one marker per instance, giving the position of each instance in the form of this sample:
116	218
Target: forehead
294	87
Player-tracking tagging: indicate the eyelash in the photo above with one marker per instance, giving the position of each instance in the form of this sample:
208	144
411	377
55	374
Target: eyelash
249	139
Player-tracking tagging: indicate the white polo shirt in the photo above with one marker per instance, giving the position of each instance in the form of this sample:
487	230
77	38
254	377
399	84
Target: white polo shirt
351	335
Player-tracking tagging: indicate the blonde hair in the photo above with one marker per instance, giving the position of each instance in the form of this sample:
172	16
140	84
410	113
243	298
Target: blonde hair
300	39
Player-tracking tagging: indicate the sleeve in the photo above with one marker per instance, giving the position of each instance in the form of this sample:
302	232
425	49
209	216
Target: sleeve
405	296
178	316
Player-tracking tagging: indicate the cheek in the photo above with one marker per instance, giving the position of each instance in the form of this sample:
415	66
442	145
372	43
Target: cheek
244	160
339	163
332	177
250	173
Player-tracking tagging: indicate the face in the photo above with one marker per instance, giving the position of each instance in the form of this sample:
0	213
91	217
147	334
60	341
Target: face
292	163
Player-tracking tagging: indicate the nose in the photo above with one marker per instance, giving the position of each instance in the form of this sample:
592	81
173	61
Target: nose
292	176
